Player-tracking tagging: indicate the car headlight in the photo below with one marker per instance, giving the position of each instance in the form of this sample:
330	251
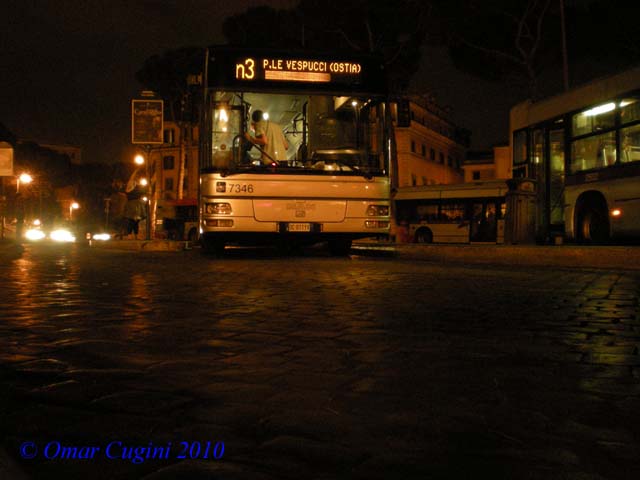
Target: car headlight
34	234
101	236
62	235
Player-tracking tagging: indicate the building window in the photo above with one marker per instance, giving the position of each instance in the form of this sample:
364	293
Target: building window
432	154
168	162
476	175
168	183
441	155
424	150
425	181
449	160
414	180
413	146
168	136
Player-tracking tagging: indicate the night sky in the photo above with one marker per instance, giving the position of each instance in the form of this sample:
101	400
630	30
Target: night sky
67	69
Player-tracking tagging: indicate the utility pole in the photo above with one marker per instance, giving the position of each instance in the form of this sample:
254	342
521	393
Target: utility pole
565	61
147	124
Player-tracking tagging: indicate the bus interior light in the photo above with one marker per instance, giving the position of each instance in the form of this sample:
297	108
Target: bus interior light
607	107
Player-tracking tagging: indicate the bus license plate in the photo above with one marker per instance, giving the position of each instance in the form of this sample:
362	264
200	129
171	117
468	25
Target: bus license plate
299	227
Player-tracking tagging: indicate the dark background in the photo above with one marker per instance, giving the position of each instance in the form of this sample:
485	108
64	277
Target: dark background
67	68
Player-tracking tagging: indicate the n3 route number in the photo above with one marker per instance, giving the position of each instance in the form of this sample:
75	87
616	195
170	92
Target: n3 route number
239	187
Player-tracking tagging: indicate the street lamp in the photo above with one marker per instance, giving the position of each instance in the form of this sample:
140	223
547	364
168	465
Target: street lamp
23	178
144	182
73	206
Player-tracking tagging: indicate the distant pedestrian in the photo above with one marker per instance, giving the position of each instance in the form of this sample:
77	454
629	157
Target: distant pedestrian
117	205
134	211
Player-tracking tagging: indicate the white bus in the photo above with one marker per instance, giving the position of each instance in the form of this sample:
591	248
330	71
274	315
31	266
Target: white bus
583	149
456	213
332	184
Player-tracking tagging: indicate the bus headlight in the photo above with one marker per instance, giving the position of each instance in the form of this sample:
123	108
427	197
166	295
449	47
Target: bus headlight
378	210
218	208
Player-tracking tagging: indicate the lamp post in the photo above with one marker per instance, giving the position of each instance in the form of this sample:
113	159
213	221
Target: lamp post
141	160
23	178
73	206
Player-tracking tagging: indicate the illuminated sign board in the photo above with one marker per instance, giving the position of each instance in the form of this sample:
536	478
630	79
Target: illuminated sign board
6	160
271	70
297	70
146	121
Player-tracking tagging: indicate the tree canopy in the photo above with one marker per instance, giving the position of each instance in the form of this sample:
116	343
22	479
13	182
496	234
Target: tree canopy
167	75
394	30
512	41
519	41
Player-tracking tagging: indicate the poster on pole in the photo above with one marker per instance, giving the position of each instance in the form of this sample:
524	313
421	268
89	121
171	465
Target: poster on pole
146	122
6	160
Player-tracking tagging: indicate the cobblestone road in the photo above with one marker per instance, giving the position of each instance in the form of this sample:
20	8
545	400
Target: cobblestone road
309	367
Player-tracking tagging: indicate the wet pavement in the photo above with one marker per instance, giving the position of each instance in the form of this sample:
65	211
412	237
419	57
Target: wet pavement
368	367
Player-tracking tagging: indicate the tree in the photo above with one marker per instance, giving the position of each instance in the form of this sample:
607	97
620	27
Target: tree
502	40
168	75
7	136
521	42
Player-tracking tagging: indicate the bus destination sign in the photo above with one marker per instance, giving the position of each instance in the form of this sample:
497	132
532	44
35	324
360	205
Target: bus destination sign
297	70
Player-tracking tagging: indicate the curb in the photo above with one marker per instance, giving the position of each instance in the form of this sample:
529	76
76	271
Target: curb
610	257
569	256
141	245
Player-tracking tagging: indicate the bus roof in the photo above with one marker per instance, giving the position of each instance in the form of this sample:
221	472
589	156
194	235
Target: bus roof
257	70
489	189
529	113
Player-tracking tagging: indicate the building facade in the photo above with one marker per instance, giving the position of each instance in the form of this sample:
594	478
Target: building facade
431	149
494	164
176	180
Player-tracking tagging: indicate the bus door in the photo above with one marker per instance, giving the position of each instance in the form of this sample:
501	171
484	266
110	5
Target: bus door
556	179
227	135
484	221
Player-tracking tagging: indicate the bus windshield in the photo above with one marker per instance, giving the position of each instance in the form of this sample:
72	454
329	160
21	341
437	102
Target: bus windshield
296	133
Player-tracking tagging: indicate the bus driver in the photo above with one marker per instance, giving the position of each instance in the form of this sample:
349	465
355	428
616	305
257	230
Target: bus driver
269	138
